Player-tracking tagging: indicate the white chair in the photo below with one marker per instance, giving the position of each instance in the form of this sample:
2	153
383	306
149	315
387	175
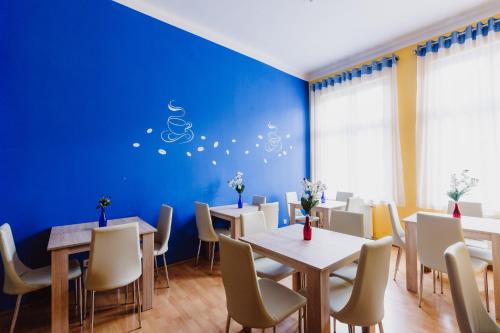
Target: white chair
398	234
114	262
271	213
258	200
470	312
299	217
352	224
434	235
362	304
251	302
254	223
479	249
20	279
162	236
358	205
206	231
343	196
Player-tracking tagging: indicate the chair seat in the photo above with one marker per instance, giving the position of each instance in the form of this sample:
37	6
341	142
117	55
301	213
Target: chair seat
478	265
481	253
279	300
42	277
339	293
271	269
157	248
223	231
347	273
302	218
483	244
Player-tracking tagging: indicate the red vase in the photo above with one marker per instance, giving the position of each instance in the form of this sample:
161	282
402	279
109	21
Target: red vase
307	229
456	211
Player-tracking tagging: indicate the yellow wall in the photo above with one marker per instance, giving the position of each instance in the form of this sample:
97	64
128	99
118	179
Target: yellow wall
407	102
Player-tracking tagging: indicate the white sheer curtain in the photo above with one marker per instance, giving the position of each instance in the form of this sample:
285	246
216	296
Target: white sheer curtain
458	121
355	137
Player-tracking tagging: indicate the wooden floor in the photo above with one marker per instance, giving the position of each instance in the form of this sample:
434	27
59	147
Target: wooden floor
195	302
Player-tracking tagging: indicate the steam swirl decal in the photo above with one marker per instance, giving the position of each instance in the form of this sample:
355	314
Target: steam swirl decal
178	130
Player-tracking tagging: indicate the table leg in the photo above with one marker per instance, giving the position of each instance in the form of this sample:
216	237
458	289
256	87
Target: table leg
318	309
147	271
296	281
411	257
292	214
235	228
370	329
59	298
496	273
326	217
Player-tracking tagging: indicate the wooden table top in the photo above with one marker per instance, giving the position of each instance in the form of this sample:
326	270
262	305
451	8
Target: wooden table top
475	224
232	211
327	250
80	234
329	204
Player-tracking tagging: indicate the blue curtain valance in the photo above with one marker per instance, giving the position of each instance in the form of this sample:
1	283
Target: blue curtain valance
472	31
355	72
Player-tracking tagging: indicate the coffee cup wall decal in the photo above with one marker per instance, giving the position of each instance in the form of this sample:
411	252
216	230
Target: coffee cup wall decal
178	130
273	143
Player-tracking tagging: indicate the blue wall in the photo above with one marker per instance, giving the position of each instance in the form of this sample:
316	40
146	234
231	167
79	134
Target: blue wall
82	80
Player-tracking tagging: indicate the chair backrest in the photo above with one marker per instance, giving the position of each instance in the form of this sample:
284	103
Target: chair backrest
163	227
474	209
434	235
347	223
292	196
469	309
271	212
253	223
12	265
204	224
366	304
243	297
398	233
258	200
343	196
357	205
115	257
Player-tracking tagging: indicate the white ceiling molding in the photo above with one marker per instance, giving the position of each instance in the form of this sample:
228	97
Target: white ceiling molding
162	15
489	9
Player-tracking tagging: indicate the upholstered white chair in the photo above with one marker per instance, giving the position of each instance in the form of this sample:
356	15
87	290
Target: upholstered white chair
254	223
343	196
258	200
299	217
252	302
480	249
114	262
271	213
352	224
20	279
206	231
162	235
470	312
362	303
359	205
398	234
434	235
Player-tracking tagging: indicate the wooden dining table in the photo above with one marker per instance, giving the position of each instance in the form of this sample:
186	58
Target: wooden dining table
75	238
481	228
232	213
323	209
315	259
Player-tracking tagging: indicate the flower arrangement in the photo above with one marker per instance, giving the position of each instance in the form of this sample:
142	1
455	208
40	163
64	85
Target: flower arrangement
309	198
461	185
237	183
102	204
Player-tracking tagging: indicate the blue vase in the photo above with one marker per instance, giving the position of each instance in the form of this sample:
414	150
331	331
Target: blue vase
240	203
103	222
323	197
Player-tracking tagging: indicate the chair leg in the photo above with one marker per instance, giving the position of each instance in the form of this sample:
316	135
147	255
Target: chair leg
274	329
398	258
213	255
434	281
92	299
334	325
156	267
228	323
421	286
85	303
166	270
140	304
126	294
16	313
441	279
80	299
198	255
486	290
299	328
75	282
380	327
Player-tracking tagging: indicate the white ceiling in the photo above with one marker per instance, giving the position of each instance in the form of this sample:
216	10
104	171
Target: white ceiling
309	39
